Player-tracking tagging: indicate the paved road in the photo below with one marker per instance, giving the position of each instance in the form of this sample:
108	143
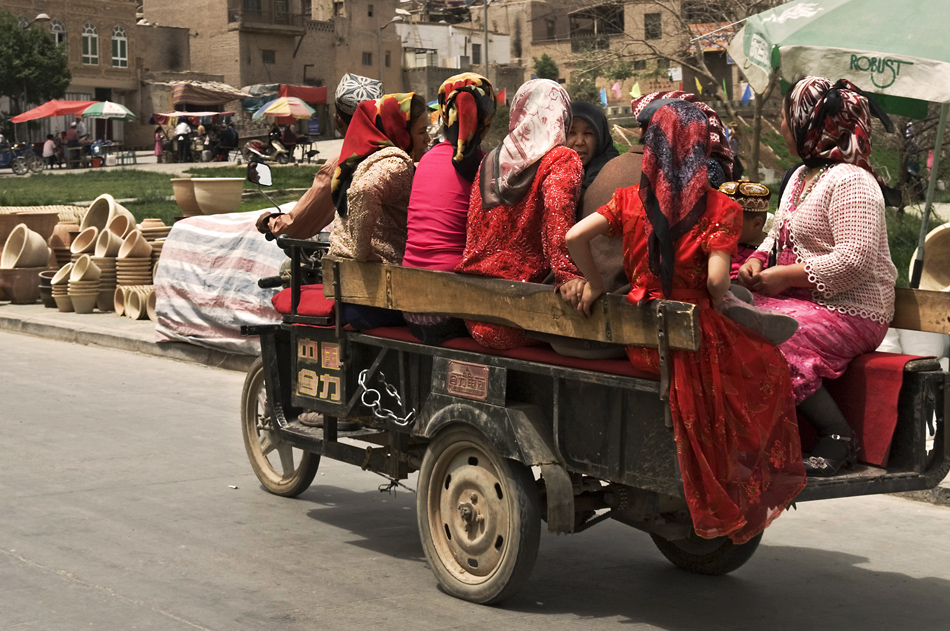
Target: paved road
116	514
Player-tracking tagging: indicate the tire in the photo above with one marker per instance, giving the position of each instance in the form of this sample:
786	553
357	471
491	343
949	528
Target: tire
19	165
36	163
249	155
285	479
283	158
462	471
713	557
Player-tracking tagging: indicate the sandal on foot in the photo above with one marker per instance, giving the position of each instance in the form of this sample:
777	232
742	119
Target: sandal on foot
833	453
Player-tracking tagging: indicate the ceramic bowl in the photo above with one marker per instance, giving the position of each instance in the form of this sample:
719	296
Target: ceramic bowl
24	248
85	242
84	303
185	196
85	269
63	303
103	210
135	246
121	225
217	195
62	276
108	244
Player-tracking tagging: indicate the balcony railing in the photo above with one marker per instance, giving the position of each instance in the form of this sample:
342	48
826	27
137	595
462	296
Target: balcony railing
266	17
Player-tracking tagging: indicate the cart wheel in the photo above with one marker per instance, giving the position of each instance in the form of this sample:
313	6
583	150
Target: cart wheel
19	165
36	164
283	158
264	447
714	557
479	517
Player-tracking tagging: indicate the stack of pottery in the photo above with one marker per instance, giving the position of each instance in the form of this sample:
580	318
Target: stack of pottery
60	288
155	233
107	249
134	265
38	219
84	243
103	210
133	301
24	255
60	241
83	284
46	289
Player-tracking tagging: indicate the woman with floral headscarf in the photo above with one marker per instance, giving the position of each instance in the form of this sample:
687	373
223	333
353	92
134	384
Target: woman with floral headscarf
830	264
731	402
370	188
438	204
525	203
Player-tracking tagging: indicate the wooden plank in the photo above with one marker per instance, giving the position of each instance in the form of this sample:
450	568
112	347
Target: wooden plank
528	306
922	310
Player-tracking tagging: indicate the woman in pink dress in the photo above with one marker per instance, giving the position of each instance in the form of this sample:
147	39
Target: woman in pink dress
160	138
831	267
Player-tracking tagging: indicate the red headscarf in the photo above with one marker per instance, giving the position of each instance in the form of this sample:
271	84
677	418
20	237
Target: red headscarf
466	107
375	124
673	181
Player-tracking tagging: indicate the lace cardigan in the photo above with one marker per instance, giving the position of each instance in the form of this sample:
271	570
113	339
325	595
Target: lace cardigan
839	233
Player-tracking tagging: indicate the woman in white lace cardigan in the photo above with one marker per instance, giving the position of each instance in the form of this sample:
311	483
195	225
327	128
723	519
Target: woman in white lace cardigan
830	265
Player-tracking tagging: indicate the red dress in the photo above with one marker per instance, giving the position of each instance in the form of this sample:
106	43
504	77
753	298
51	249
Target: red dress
525	241
732	405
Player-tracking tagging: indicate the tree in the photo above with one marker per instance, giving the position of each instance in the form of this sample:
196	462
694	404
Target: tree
33	68
546	68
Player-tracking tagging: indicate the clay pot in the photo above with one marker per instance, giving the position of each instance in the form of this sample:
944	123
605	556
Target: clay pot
216	195
46	277
151	223
63	302
135	306
83	303
21	286
42	222
121	225
46	297
185	196
85	242
102	210
935	275
62	276
135	246
85	270
24	248
108	243
150	307
61	238
118	300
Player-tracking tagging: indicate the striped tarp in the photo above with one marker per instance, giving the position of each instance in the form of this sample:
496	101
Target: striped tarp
206	282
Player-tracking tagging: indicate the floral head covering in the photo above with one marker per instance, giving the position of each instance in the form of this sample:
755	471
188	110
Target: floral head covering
375	125
353	89
832	123
718	138
673	181
466	107
540	118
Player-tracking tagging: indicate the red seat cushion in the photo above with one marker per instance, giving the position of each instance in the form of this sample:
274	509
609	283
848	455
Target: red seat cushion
312	302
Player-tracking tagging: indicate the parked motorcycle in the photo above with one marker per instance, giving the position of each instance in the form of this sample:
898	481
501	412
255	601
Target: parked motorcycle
270	151
21	159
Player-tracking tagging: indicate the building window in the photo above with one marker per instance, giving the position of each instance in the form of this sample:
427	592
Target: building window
281	12
476	53
253	6
640	64
388	59
367	59
652	26
550	25
90	44
369	10
58	29
269	56
308	8
663	64
120	48
338	9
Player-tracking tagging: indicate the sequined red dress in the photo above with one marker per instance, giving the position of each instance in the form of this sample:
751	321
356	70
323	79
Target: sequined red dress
524	241
732	405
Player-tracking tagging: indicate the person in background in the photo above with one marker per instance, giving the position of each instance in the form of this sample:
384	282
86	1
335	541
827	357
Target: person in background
441	189
183	140
524	204
732	406
826	260
160	138
289	140
315	210
73	150
590	137
49	151
227	142
60	140
370	190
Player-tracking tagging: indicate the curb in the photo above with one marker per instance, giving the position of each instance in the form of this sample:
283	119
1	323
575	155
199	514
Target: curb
133	336
939	496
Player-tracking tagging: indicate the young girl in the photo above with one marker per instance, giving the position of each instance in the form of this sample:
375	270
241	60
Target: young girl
731	402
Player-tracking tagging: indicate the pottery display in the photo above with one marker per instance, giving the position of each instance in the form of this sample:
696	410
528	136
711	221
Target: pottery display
135	306
83	303
24	248
61	237
150	307
107	282
121	225
185	196
61	277
85	270
21	285
85	241
216	195
39	220
135	246
103	210
134	271
46	297
935	274
60	294
108	244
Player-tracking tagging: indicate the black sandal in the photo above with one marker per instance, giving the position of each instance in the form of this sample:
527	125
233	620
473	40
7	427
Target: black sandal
827	459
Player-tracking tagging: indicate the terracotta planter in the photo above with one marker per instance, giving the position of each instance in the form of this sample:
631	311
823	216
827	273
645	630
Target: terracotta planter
217	195
85	270
135	306
24	248
83	303
185	196
103	209
121	225
61	238
935	275
150	307
64	303
20	286
108	243
46	297
85	241
62	276
135	246
41	222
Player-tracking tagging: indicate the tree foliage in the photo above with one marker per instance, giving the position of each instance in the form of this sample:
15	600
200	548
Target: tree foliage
546	68
32	65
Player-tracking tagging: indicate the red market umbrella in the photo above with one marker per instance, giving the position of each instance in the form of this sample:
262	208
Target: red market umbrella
53	108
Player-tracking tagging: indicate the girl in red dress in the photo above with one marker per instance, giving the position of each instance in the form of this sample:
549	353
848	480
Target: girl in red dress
732	405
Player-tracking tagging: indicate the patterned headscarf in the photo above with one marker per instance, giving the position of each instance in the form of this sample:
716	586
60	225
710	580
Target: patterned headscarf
604	151
353	90
466	107
718	139
540	118
673	181
375	125
832	123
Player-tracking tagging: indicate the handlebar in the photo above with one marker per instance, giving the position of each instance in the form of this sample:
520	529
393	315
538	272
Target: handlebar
269	282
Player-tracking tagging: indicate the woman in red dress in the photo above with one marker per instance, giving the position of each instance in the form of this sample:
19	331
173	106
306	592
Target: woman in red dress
732	405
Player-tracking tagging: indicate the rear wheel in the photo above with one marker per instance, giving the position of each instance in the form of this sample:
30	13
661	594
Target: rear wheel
281	468
36	163
19	165
249	155
713	557
283	158
479	517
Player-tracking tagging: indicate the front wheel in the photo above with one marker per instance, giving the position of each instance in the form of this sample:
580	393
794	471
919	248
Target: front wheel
281	469
36	164
283	158
19	165
479	517
714	557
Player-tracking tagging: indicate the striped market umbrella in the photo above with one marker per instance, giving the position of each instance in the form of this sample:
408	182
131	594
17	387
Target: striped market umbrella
285	106
108	109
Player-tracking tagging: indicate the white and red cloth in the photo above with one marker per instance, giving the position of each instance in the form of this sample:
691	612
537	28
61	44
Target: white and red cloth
206	282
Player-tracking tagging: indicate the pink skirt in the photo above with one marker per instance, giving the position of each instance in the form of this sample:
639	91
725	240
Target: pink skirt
825	343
